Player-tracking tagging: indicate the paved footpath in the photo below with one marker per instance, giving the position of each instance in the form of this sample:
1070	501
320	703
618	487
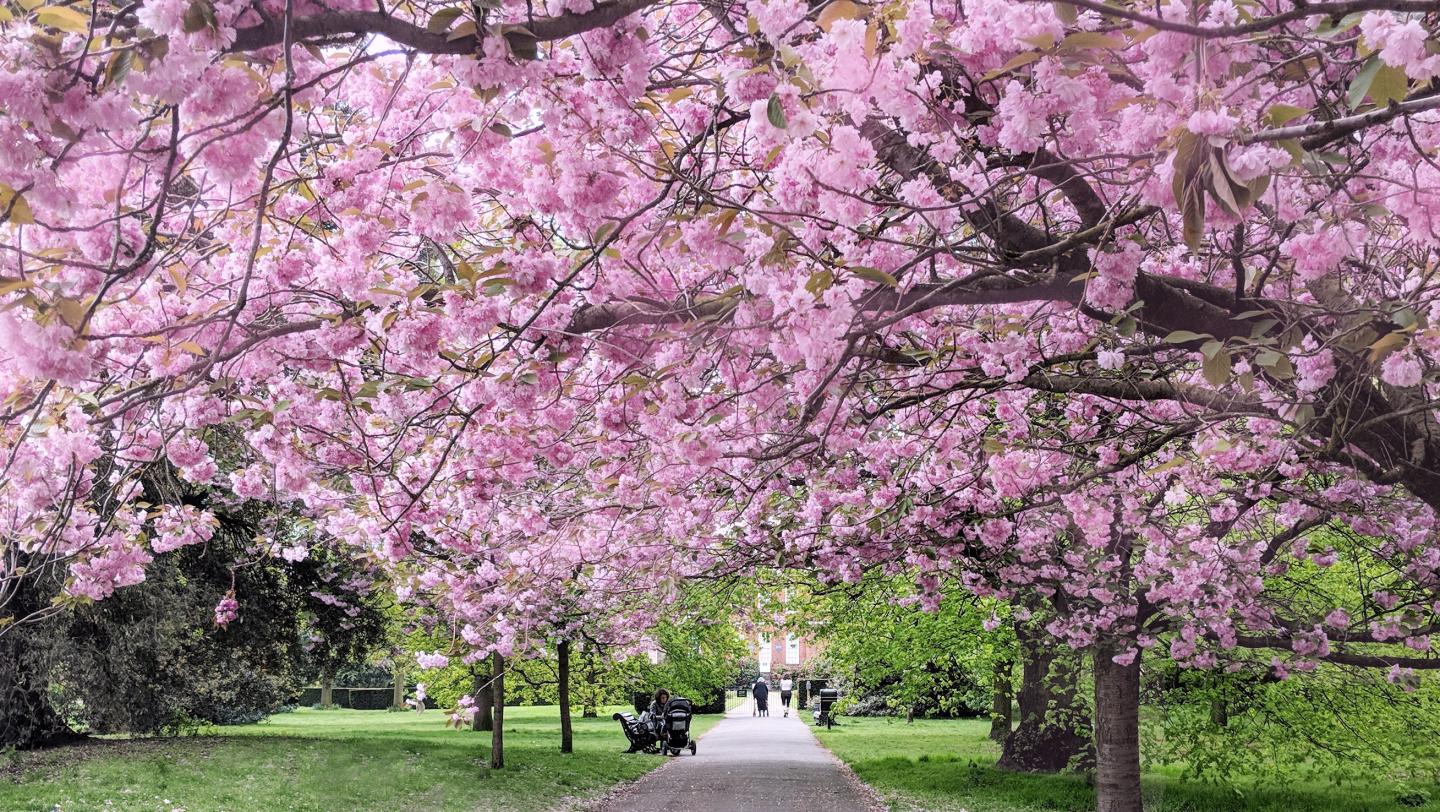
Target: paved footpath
748	764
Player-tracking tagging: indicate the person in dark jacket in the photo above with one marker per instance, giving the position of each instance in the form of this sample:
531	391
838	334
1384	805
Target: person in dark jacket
761	692
654	717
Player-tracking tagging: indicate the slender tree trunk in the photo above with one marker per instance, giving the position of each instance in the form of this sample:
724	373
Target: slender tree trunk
327	688
497	694
484	704
1052	734
567	737
910	715
397	696
590	695
1117	729
1001	702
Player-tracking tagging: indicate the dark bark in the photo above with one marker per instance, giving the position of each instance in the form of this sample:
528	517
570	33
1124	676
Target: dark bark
1052	734
484	704
1001	702
567	736
1117	729
327	689
343	25
497	693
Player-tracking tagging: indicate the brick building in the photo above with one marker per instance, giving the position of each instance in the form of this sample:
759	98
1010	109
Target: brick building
778	652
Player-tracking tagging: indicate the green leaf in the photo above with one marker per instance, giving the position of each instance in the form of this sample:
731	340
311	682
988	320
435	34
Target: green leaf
1389	85
1020	60
1081	40
441	20
1232	196
1209	348
1386	344
875	275
1360	87
1282	114
1217	369
1185	337
13	202
63	18
775	113
523	43
200	16
1329	29
1188	185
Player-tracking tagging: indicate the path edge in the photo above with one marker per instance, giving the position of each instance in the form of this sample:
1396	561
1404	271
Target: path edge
870	796
602	802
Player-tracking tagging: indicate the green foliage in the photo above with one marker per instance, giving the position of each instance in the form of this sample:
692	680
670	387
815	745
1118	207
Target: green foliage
948	766
1336	724
151	659
700	652
938	661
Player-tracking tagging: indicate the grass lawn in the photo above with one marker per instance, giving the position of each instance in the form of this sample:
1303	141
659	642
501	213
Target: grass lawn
332	761
946	766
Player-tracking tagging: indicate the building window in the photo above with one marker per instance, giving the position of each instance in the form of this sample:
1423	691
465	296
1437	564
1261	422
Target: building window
792	650
765	657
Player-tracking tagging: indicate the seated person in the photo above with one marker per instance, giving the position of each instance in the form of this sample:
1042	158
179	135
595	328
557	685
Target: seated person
654	715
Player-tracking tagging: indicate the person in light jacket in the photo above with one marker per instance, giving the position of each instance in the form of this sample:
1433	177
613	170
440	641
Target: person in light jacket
786	686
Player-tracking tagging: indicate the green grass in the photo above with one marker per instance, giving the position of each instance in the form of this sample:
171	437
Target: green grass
327	761
946	766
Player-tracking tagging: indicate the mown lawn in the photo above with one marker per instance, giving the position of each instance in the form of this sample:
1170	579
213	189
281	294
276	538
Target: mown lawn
947	766
332	761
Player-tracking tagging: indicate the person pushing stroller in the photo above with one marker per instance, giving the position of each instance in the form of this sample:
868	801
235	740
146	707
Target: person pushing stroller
761	692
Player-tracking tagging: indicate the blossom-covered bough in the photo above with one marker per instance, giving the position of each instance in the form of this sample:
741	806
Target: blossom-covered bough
1126	304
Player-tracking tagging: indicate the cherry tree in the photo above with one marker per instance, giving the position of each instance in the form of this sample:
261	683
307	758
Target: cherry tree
1125	292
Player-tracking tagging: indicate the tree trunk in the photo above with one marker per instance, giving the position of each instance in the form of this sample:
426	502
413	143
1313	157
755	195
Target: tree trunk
1001	702
397	696
1052	734
497	693
1117	729
27	719
484	704
589	695
327	688
567	737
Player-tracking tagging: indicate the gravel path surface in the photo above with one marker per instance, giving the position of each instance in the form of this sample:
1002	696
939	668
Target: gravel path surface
749	764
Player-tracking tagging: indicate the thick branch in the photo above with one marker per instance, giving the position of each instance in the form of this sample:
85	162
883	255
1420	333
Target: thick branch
1319	133
341	24
1345	657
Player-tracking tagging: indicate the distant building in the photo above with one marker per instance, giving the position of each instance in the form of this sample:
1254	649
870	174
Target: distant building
784	651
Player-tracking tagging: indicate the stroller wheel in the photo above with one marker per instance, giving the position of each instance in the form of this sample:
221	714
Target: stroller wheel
692	747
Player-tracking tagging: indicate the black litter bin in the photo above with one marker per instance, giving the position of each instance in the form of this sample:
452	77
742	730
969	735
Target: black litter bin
828	698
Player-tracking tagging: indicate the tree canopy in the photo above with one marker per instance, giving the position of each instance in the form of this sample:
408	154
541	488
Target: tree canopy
1127	305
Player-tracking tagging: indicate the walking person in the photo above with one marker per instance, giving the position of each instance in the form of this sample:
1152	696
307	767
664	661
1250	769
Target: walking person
761	691
786	686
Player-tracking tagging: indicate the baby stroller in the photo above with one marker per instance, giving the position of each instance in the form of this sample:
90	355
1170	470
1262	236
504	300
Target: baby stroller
675	731
641	734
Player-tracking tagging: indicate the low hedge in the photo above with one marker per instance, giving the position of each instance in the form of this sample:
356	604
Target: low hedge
357	698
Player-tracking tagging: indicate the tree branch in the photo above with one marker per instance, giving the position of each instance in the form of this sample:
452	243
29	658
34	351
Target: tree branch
340	24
